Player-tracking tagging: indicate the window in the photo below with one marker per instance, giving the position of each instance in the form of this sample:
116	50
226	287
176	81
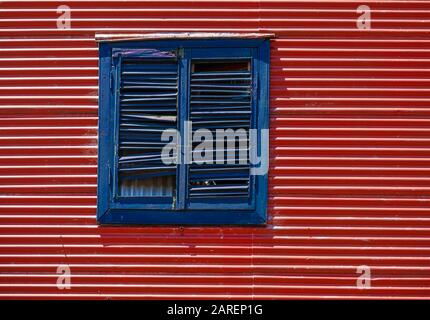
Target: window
183	131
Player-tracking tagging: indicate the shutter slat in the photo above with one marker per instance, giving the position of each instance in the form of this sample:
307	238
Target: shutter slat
219	80
219	74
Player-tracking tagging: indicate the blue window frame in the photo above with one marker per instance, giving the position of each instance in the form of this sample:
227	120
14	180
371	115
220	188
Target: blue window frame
183	89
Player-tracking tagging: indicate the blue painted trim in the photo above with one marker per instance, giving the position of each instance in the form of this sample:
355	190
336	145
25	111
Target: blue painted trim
183	111
104	134
124	217
132	211
116	73
263	123
192	43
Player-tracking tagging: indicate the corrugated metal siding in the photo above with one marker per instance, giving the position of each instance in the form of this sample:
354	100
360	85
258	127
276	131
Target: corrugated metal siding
349	179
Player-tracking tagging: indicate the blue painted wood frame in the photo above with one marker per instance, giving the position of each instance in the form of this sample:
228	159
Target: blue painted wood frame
110	211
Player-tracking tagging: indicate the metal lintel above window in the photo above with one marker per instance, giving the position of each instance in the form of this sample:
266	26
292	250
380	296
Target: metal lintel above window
110	37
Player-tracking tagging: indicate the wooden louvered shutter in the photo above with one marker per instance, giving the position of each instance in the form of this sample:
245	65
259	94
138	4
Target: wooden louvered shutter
147	96
221	99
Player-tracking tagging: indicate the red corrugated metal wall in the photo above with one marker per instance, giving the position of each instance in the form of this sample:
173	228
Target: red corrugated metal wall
349	179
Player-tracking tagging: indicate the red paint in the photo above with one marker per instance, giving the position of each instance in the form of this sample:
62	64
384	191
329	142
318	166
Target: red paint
349	167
